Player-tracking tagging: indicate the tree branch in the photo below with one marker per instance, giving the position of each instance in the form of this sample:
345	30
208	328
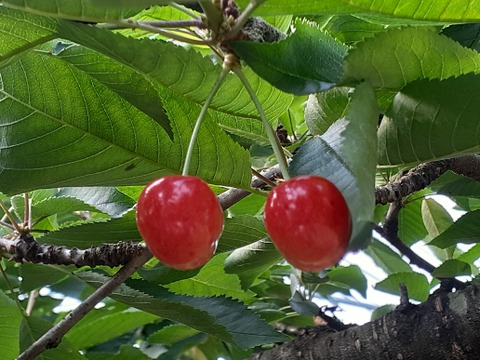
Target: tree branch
390	233
450	330
421	176
52	338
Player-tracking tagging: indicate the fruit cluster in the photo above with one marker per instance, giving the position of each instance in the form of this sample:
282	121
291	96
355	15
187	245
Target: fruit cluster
306	217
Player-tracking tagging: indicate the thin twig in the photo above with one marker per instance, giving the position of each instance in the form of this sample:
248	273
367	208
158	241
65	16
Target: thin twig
53	337
390	233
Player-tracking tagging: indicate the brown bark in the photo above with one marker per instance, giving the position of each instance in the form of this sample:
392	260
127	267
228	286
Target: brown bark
444	327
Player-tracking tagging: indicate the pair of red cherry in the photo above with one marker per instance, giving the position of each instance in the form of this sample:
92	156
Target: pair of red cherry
307	218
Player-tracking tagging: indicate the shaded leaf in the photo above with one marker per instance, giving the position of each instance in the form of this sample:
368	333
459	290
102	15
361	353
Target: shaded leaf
302	306
10	319
324	108
451	268
386	258
171	334
89	332
432	119
218	316
250	261
319	69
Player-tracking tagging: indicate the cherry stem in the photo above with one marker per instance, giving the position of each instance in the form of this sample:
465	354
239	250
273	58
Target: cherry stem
201	116
272	137
133	24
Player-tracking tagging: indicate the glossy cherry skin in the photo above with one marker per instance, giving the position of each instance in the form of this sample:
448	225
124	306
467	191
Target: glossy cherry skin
180	219
309	222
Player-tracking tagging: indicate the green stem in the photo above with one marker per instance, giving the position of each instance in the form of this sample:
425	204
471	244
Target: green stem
272	137
13	293
201	116
132	24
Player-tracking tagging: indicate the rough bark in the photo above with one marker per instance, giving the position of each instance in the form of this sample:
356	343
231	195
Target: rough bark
444	327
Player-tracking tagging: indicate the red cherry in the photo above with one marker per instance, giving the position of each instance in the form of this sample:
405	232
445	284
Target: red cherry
308	220
180	219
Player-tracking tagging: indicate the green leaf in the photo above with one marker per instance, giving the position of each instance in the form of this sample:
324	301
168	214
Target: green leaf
350	277
350	29
417	285
240	231
443	10
382	311
184	72
250	261
10	319
324	108
218	316
435	217
463	187
320	68
300	7
33	328
106	199
89	332
124	81
171	334
95	234
410	225
162	275
126	352
84	10
386	258
465	230
345	155
451	268
429	120
35	276
20	32
303	306
106	141
212	280
392	59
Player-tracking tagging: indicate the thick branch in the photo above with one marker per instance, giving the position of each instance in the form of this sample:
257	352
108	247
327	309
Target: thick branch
422	175
25	248
52	338
444	327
